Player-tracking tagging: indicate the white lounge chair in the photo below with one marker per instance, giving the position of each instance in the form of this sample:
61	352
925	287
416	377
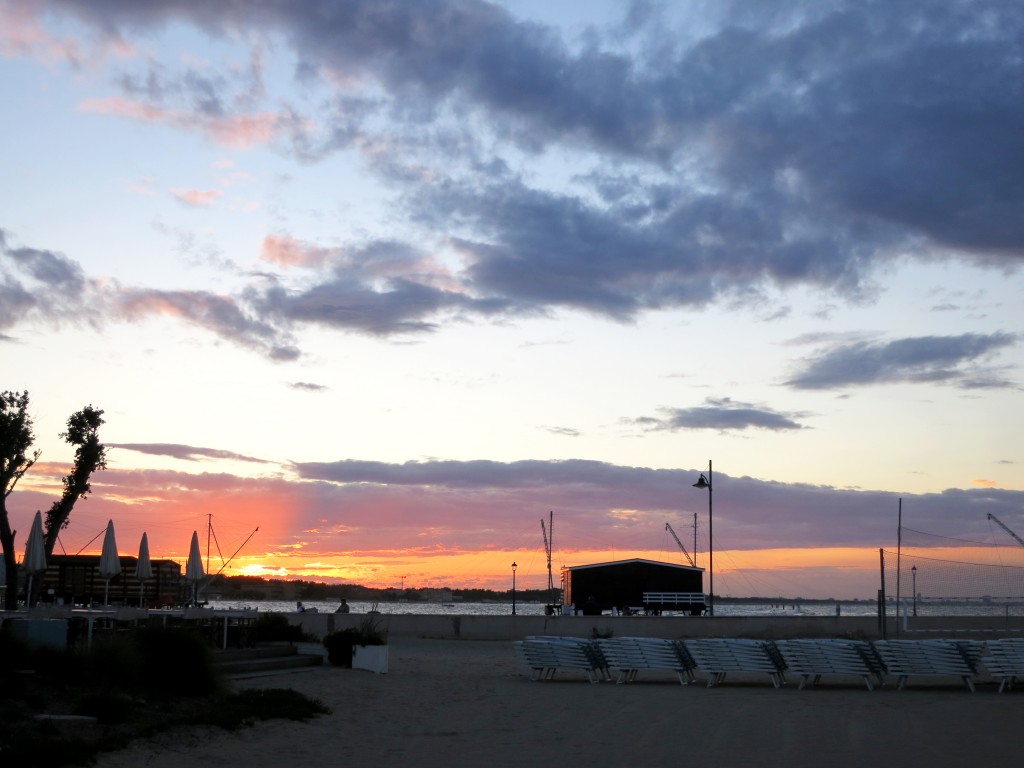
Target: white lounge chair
1004	660
812	658
544	656
631	654
719	656
905	658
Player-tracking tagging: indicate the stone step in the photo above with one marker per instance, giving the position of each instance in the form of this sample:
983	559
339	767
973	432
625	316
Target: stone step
265	660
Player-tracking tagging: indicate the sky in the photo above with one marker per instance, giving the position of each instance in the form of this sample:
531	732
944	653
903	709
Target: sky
395	282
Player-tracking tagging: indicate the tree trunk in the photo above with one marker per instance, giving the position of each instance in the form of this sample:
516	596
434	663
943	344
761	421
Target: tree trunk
10	563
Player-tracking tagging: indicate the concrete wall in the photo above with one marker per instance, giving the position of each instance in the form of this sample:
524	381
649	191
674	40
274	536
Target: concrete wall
457	627
764	627
518	627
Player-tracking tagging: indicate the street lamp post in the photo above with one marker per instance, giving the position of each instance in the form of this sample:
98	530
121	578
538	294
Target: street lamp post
513	589
913	579
706	482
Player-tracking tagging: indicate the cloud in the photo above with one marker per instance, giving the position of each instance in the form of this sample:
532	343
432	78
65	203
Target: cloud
39	283
722	414
184	452
588	496
199	198
288	252
306	386
564	431
715	158
953	360
239	131
46	285
442	509
222	315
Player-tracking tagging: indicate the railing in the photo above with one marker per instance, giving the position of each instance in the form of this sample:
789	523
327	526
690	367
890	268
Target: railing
674	598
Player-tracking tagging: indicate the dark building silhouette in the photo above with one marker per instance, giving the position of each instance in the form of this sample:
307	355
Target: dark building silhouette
76	580
646	585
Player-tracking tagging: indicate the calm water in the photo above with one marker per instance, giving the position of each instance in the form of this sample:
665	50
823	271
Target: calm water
535	609
861	608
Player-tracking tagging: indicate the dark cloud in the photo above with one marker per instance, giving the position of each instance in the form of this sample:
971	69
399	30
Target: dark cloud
405	307
184	452
48	285
222	315
798	146
564	431
723	414
307	386
443	508
954	360
39	283
587	496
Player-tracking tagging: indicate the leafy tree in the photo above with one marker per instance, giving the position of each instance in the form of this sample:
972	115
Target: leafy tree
90	455
16	439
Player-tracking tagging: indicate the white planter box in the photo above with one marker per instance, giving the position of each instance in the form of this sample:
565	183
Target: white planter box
371	657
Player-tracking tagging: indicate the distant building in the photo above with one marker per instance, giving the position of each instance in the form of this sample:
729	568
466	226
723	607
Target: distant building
75	580
636	584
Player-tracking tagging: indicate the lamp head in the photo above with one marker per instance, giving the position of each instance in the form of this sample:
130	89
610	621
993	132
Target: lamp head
913	568
702	482
513	566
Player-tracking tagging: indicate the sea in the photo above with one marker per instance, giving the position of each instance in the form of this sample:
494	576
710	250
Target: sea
724	608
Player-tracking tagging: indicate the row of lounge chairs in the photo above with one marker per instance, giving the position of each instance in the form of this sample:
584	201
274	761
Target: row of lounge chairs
810	659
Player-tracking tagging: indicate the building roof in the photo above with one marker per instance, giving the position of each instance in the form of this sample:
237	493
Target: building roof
629	562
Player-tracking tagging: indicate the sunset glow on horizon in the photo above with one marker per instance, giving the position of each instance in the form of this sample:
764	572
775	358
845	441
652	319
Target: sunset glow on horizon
393	283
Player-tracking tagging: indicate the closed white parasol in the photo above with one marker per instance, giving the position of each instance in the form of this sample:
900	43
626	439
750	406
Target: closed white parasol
194	567
110	563
35	554
143	569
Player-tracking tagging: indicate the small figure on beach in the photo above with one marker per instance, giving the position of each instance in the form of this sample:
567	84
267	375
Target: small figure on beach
343	608
299	607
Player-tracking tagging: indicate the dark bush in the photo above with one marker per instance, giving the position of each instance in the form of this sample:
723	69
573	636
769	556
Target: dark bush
245	707
107	706
15	653
274	628
339	647
113	662
176	662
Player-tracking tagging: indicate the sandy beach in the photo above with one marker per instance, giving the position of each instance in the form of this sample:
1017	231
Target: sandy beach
450	702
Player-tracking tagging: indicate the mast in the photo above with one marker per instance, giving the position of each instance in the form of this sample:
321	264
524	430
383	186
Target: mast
549	540
668	527
1002	525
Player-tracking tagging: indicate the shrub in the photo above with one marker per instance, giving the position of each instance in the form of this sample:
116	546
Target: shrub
275	628
113	662
15	653
339	647
176	662
108	707
244	707
369	630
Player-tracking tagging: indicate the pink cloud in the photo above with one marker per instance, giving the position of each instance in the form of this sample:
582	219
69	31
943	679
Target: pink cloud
289	252
21	34
197	197
234	131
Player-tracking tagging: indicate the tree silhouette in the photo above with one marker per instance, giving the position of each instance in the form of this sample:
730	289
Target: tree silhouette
90	455
16	438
